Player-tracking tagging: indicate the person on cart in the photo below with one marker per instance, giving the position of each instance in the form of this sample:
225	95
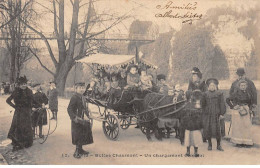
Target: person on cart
78	111
162	86
133	79
21	128
145	81
39	113
122	79
115	91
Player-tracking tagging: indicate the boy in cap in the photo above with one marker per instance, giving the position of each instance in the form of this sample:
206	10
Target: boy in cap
80	126
213	107
53	99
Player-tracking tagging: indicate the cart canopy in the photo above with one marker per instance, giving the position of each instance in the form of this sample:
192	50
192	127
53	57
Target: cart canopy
113	60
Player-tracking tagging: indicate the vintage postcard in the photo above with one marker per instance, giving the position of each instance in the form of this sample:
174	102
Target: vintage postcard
129	82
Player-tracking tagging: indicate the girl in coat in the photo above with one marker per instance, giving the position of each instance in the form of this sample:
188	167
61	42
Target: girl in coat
213	108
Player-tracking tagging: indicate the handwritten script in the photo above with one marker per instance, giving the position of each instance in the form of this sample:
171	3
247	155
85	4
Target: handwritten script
185	12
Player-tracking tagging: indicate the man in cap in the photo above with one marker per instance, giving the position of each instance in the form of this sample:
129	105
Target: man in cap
251	89
80	126
53	99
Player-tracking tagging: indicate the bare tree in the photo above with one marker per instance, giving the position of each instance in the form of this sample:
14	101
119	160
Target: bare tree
13	28
80	41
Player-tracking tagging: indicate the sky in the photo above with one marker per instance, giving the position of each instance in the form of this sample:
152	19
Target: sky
144	10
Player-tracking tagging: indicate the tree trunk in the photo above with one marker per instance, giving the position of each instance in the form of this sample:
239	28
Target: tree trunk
61	77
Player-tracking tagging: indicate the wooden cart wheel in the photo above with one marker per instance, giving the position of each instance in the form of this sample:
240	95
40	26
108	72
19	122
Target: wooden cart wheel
41	134
125	122
111	127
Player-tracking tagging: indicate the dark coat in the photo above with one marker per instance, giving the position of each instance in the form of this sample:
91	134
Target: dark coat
81	134
213	106
239	97
21	132
201	85
53	99
39	117
251	89
122	83
191	118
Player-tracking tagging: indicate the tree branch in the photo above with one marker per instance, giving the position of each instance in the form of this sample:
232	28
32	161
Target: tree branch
15	16
55	20
45	41
40	61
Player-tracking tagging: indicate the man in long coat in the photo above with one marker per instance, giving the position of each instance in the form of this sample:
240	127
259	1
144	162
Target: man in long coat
21	128
80	127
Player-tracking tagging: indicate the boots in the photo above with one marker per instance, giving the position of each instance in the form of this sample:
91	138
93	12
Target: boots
210	145
196	152
219	145
40	132
188	151
77	153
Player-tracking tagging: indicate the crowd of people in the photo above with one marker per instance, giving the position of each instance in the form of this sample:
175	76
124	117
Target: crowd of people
242	101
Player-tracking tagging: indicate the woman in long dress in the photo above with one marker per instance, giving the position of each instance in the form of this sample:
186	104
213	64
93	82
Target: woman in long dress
21	132
240	103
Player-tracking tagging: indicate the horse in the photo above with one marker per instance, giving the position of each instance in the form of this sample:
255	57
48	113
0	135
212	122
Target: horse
168	111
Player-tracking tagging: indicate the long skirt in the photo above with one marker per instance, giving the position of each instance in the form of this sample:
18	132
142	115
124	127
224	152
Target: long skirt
21	132
241	128
193	138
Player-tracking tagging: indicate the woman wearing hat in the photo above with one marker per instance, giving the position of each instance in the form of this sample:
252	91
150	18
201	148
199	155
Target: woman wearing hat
196	83
21	132
240	102
213	107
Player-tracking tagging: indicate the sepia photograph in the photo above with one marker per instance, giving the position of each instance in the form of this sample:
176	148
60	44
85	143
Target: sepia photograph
129	82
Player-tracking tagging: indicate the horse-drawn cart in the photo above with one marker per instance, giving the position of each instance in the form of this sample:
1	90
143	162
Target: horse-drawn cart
130	108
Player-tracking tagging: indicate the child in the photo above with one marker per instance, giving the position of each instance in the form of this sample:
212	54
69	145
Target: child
178	94
80	128
146	81
133	78
39	114
191	122
53	99
163	88
115	91
213	107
